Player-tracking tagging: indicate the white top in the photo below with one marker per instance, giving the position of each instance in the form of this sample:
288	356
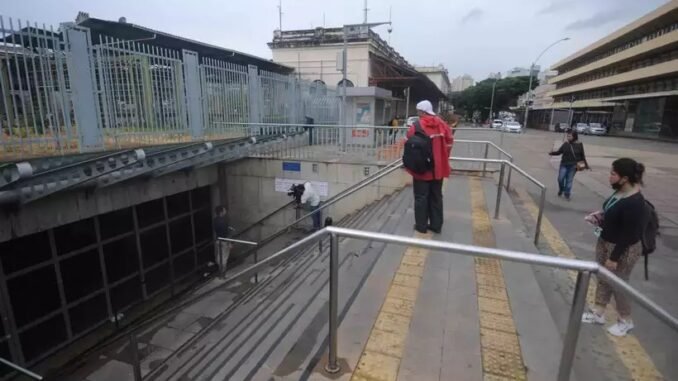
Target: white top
310	195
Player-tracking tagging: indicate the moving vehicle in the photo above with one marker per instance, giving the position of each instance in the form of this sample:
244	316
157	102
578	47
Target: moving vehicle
497	123
514	127
581	128
595	129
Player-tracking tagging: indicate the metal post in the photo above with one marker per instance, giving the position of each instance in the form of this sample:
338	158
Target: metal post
254	98
492	101
537	230
407	104
332	366
487	151
344	63
499	186
256	260
85	100
193	93
134	354
529	95
553	110
573	326
508	177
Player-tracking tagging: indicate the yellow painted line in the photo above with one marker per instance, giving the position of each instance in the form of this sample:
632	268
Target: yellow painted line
630	351
499	344
380	360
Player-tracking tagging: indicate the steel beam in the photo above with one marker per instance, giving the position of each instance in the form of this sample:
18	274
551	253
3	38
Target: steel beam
60	179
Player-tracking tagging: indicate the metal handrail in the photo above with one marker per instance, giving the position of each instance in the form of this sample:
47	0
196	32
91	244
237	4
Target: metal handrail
261	220
511	165
389	168
249	243
21	370
583	268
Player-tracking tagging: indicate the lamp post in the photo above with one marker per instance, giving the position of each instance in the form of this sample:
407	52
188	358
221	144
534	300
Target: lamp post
492	99
529	87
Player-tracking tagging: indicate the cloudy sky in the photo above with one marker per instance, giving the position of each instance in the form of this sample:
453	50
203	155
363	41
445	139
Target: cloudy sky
467	36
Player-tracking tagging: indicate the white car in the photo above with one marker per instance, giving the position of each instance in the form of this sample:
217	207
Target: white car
595	129
581	128
514	127
497	123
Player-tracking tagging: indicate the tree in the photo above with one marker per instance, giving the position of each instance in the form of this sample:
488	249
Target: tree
479	96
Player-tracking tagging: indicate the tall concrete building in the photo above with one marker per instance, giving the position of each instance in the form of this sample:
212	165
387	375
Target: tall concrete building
628	79
462	83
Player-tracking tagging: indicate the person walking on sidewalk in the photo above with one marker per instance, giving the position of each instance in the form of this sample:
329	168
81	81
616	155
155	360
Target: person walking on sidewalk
428	185
573	160
619	246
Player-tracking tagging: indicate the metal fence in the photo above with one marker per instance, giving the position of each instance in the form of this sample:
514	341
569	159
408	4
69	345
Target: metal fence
62	93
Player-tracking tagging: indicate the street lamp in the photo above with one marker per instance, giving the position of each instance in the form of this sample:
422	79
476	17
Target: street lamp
529	88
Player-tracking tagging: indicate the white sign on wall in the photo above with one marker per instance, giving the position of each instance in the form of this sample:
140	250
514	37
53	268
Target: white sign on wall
284	185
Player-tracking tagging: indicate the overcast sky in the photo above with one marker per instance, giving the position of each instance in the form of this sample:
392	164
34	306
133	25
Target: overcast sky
467	36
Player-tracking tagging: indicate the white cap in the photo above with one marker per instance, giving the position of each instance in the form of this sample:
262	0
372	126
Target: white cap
426	107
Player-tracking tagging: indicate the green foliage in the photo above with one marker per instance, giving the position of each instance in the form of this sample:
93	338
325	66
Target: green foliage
478	97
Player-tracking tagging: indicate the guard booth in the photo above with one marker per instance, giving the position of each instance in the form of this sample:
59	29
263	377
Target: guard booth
368	106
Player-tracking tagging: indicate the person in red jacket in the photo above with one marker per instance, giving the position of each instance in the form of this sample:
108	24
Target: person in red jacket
428	186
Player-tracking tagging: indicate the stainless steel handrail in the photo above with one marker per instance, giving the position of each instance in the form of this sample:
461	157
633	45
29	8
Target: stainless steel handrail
511	165
21	369
249	243
584	269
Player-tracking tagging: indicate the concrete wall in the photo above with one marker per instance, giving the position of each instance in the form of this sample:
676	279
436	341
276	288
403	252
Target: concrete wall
320	62
252	194
63	208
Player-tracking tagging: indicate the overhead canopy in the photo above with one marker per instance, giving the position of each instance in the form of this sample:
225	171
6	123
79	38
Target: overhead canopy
389	75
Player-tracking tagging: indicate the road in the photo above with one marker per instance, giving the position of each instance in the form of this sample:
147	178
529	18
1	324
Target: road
530	151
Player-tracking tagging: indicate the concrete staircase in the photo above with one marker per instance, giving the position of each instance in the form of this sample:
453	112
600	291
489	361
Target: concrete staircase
405	313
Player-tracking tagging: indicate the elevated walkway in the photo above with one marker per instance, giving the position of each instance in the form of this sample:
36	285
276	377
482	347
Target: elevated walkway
405	313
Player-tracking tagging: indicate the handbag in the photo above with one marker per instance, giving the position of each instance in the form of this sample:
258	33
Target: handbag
581	164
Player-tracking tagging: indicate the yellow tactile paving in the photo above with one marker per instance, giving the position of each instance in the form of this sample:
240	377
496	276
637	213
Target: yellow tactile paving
630	351
380	360
499	344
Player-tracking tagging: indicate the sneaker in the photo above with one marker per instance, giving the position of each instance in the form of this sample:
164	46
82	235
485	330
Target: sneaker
621	328
592	318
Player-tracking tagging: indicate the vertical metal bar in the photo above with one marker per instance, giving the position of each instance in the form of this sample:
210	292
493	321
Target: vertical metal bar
104	275
20	89
573	326
537	230
36	75
508	178
60	283
256	260
60	72
487	151
170	257
134	355
140	253
8	321
500	185
101	93
26	57
332	366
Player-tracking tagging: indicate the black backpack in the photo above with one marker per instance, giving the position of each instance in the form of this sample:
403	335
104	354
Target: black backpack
650	223
418	152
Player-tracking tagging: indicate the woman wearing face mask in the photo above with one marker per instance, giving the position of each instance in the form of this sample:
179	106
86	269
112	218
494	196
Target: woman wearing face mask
619	243
573	160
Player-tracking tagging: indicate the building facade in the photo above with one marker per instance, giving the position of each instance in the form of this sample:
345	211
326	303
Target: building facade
438	75
371	62
462	83
627	80
523	72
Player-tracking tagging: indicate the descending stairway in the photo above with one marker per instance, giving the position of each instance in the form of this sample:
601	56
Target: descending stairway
405	313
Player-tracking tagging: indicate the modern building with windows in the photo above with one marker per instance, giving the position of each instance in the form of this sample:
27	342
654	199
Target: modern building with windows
627	80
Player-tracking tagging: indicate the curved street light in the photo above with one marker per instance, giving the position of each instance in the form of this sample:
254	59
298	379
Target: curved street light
529	88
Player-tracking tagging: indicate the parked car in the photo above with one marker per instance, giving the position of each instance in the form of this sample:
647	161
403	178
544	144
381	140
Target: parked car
581	128
497	123
562	127
595	129
410	121
513	127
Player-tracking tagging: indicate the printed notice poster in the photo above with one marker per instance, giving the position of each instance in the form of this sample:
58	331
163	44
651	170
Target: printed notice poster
284	185
363	116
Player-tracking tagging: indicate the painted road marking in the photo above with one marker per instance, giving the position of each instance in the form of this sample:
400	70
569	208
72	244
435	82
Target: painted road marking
380	360
630	351
499	343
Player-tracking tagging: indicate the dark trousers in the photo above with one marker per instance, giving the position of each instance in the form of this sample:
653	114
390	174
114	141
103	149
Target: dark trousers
317	217
428	205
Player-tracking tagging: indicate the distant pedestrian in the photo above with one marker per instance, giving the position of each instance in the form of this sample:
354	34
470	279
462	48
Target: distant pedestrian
393	123
426	158
311	199
221	230
573	160
619	246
